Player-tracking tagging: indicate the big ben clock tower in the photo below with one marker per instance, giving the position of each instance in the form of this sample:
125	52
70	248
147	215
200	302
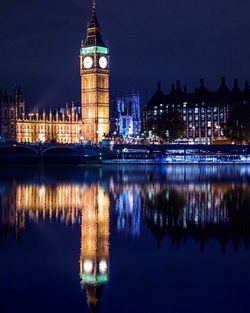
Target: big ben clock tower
94	71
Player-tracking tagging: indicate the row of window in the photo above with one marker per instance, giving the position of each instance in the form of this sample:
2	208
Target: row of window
90	82
202	117
203	125
190	110
90	98
41	128
203	133
60	139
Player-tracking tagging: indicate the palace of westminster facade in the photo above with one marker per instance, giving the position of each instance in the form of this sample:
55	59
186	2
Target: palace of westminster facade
70	126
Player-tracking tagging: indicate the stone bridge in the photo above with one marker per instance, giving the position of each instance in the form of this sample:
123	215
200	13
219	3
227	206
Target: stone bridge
38	152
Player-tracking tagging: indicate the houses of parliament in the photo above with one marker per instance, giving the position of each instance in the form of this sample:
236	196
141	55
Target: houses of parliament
68	126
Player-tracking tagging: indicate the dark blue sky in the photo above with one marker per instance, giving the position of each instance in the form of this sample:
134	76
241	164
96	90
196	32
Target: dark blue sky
149	40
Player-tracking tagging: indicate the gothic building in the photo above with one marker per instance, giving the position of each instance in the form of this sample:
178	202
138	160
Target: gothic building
125	115
63	128
68	126
204	112
11	107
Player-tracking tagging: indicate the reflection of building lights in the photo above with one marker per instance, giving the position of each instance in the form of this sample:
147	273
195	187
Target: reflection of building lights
88	266
103	266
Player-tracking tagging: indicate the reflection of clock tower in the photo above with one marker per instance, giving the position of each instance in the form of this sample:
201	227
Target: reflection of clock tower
94	71
94	259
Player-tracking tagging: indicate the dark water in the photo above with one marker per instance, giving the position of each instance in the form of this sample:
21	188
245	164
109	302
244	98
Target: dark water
125	239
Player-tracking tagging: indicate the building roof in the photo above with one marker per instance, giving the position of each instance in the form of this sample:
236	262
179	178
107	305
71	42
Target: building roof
94	37
223	95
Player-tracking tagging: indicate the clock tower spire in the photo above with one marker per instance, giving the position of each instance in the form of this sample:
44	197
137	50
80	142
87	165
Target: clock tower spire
94	72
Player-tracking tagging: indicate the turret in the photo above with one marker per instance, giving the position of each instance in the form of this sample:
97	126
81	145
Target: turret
50	115
223	89
57	116
72	112
67	108
36	115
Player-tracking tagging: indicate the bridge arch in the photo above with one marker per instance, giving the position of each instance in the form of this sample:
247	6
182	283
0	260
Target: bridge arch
17	150
60	151
15	154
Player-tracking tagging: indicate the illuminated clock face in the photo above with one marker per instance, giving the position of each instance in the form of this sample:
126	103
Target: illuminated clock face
103	62
88	62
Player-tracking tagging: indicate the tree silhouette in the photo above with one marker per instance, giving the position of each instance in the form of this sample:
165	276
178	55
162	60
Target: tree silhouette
238	123
168	126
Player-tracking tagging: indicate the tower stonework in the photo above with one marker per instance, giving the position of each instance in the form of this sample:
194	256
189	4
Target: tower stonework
94	72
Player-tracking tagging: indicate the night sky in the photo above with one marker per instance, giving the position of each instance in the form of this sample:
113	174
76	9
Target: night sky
149	40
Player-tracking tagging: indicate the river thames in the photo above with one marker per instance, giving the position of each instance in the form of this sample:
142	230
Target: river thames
125	239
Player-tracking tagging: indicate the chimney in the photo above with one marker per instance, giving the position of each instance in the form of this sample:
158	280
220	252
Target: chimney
236	83
202	83
185	89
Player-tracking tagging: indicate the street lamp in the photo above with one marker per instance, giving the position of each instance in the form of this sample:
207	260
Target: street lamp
218	130
81	140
